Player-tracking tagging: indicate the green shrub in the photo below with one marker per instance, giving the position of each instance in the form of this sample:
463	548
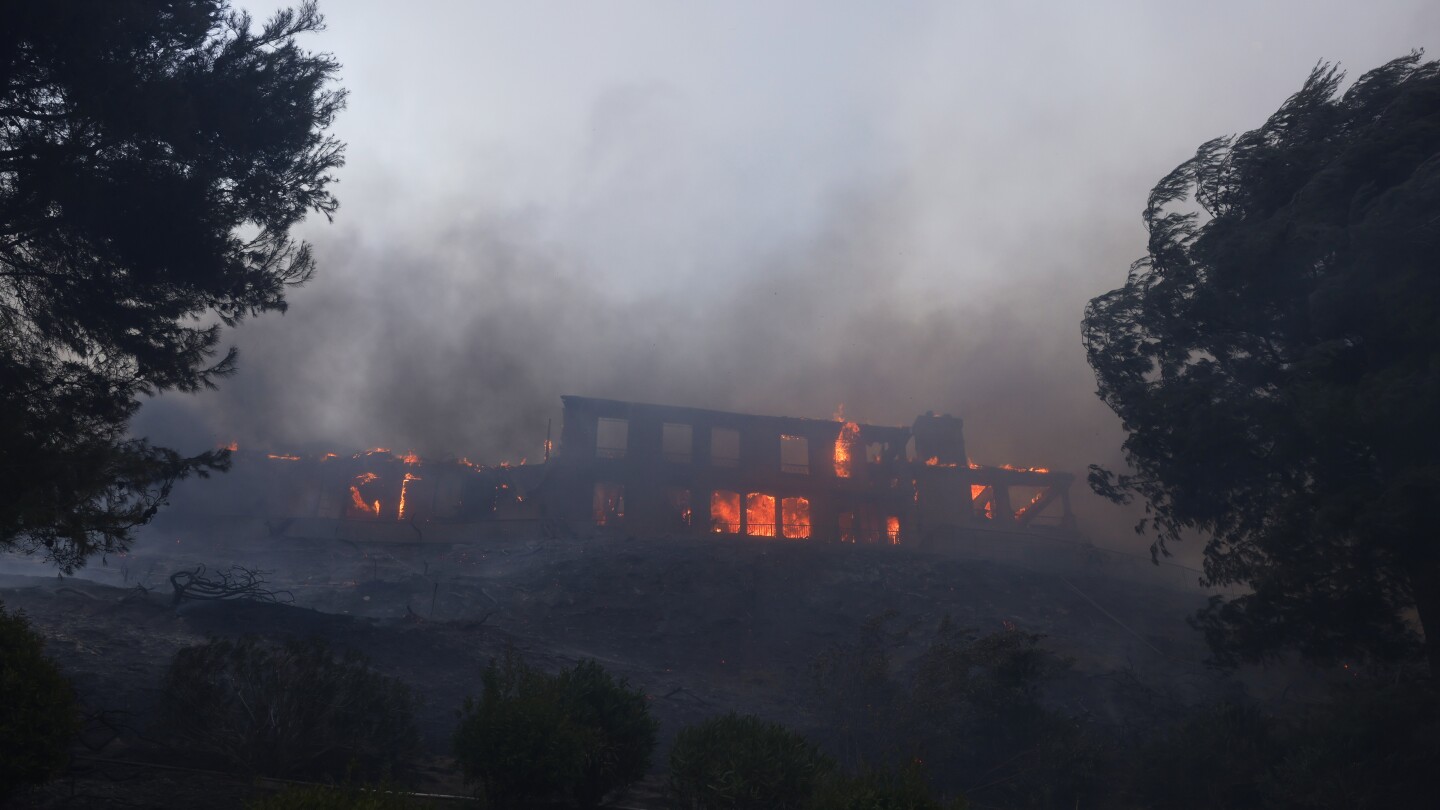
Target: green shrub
294	709
743	762
37	709
878	790
576	736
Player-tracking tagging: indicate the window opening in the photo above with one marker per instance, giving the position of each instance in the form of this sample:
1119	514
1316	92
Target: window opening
795	454
795	514
760	515
609	503
611	436
725	512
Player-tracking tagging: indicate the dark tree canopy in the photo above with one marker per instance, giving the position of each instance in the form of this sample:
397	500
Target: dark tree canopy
153	158
1275	360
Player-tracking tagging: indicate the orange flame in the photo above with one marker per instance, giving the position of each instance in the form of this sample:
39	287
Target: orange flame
282	457
232	446
892	530
357	501
725	512
410	458
849	432
404	485
796	515
760	515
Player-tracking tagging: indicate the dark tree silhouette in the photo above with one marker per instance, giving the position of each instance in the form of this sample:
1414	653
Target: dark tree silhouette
1275	360
153	158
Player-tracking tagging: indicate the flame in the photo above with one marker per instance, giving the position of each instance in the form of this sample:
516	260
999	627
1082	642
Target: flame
232	447
404	485
357	501
328	456
849	432
796	514
892	530
760	515
282	457
982	498
372	451
725	512
972	465
409	458
1020	513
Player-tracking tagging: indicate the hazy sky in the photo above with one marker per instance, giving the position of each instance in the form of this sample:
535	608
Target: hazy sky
773	207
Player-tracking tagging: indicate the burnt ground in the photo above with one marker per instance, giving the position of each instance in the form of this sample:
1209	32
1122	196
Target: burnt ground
702	625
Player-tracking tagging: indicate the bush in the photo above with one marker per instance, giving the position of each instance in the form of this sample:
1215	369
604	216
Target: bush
37	709
293	709
878	790
742	762
575	736
1219	756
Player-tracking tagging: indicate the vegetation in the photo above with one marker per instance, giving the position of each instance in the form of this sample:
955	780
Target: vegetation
878	790
1275	362
576	736
153	158
292	710
969	707
740	762
38	717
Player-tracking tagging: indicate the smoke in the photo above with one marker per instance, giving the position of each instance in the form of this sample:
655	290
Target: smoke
460	343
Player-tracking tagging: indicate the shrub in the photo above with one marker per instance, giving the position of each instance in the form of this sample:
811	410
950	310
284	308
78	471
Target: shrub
576	736
37	709
878	790
1219	756
294	709
743	762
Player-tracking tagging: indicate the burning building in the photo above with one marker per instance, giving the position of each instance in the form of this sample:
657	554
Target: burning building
657	469
663	469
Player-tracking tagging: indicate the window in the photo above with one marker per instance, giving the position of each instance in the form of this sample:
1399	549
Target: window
725	512
677	442
795	512
609	503
847	527
611	436
874	451
794	454
760	515
982	501
679	515
892	530
725	447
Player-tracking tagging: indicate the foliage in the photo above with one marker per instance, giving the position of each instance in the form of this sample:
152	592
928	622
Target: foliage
335	797
38	717
740	762
970	707
578	735
1370	746
1275	362
153	158
1220	756
294	709
878	790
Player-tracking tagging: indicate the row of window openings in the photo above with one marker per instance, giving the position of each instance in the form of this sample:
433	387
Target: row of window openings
677	442
759	515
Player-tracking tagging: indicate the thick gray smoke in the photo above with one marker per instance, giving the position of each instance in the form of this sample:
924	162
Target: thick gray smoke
463	345
899	208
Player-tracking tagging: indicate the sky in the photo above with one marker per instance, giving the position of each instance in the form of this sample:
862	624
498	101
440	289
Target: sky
767	207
